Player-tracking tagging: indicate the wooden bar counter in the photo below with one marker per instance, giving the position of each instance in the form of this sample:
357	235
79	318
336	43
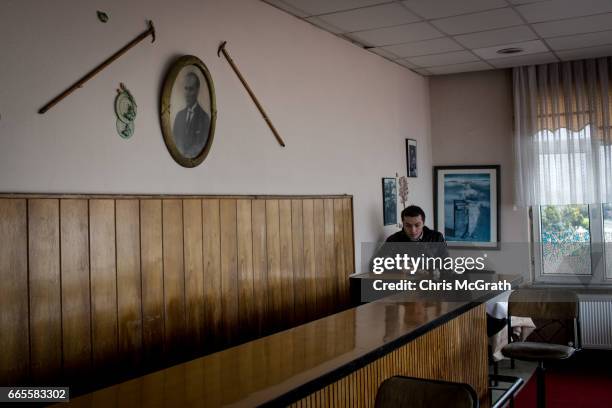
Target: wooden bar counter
339	360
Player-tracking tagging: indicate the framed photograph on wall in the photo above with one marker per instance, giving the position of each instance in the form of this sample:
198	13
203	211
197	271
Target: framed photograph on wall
188	111
389	190
411	157
466	205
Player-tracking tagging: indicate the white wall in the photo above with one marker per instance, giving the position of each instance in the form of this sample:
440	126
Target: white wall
472	124
343	112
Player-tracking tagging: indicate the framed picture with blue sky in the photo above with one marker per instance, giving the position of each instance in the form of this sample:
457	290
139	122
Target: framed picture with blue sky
467	205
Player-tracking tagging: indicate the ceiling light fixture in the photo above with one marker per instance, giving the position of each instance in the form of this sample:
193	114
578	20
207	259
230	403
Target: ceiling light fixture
511	50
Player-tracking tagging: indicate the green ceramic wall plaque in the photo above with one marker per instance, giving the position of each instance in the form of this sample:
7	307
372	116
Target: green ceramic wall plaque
125	110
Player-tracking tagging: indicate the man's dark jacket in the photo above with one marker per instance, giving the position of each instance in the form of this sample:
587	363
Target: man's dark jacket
437	248
191	139
429	235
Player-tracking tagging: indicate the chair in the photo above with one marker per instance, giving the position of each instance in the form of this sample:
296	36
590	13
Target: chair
559	305
411	392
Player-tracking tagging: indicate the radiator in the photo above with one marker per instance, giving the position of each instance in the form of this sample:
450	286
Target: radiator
596	321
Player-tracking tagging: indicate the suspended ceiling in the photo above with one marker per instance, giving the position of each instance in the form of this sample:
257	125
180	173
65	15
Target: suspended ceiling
434	37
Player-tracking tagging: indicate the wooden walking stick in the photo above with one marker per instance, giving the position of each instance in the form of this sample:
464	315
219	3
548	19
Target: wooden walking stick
248	89
149	32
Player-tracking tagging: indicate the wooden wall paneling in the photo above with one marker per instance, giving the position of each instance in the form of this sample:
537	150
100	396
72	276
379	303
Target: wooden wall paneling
330	263
129	288
119	278
194	274
174	277
275	298
310	278
347	215
229	269
152	280
76	298
14	337
45	290
297	239
260	265
286	263
342	279
246	298
211	257
103	283
323	304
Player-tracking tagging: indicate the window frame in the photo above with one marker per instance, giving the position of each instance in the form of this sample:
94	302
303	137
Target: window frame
598	276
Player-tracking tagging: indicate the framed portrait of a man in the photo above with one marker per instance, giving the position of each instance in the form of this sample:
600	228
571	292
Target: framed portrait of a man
188	111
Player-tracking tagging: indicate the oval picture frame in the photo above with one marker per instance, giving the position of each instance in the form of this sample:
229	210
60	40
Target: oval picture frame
183	126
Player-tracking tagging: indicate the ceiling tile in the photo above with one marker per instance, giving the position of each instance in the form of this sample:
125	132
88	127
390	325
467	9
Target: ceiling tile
370	17
413	49
314	7
406	63
583	53
287	7
324	25
486	20
530	59
574	26
496	37
445	8
384	53
558	9
397	34
580	41
455	68
456	57
529	47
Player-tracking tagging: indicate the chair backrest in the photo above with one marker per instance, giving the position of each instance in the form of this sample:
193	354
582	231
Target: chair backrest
543	304
402	391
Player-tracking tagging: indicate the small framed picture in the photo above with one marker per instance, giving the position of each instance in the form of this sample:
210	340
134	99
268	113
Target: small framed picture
411	157
188	111
467	204
389	190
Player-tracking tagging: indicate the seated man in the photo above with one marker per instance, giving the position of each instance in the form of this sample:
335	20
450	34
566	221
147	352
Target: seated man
414	230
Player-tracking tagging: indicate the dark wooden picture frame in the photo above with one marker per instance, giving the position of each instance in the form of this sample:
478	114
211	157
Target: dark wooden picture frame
411	158
389	196
475	192
188	133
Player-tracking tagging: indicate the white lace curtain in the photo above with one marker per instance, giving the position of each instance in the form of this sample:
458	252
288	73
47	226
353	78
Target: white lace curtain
563	141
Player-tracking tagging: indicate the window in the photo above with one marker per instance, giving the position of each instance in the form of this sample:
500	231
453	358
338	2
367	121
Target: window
573	243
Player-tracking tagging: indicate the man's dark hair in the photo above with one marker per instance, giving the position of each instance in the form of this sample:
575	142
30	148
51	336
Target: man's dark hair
413	211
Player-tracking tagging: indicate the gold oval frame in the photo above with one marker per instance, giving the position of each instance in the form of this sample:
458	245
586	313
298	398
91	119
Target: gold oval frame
166	124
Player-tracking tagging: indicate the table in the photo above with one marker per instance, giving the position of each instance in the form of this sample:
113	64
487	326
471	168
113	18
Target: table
338	360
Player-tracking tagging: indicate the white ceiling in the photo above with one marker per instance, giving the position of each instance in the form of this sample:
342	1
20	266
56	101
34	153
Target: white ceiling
435	37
